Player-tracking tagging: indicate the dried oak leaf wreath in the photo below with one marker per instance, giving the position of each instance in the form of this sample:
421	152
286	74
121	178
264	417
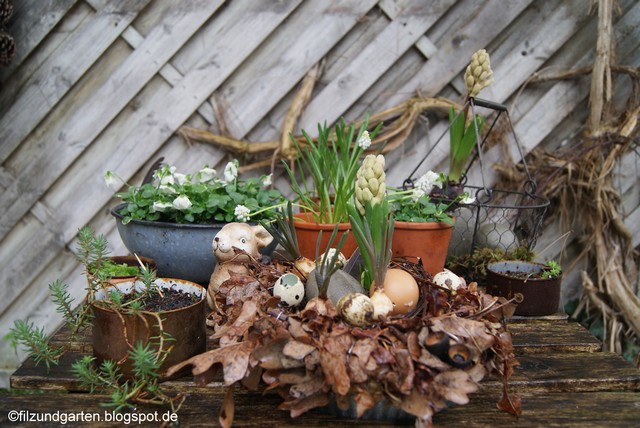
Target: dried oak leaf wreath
311	357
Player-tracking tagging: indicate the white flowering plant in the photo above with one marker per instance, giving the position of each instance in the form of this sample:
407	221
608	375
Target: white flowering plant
420	205
331	163
199	198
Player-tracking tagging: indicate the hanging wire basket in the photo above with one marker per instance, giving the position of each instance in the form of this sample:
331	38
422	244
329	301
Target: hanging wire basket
504	220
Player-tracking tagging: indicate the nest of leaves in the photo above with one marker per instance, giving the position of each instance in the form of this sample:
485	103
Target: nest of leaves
311	356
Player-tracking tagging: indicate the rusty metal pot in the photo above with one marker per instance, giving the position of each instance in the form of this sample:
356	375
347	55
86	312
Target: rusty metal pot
541	296
186	326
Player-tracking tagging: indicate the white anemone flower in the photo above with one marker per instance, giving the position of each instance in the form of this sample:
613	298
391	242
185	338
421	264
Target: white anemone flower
365	140
242	213
231	171
206	174
161	206
181	203
268	179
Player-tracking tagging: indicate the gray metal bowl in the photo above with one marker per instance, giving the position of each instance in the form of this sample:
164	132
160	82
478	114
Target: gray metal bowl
180	250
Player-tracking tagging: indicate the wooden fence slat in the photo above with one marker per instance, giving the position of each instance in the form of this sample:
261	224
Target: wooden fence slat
107	102
31	22
454	55
547	32
54	78
160	120
375	59
558	102
320	26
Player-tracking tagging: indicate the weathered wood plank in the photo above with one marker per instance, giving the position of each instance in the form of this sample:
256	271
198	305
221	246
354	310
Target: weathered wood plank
319	26
542	372
376	58
165	114
454	53
558	102
31	22
108	101
54	78
552	336
611	409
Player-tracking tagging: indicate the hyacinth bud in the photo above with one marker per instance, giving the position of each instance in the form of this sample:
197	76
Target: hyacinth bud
478	73
370	182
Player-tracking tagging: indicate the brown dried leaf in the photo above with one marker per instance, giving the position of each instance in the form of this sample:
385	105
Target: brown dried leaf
466	328
297	330
241	325
364	401
297	350
454	385
227	410
405	371
271	356
333	362
303	405
510	403
418	405
234	360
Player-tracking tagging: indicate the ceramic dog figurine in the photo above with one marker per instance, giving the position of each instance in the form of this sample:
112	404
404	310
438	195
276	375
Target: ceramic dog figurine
243	237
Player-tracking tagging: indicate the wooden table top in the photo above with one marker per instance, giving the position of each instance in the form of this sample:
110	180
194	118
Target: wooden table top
564	379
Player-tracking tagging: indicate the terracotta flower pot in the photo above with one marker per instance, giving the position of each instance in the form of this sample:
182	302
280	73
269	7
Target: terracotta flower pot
307	231
185	325
541	295
429	241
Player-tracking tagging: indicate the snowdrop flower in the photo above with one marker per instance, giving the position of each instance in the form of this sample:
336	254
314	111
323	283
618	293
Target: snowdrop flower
161	206
467	199
181	178
181	203
427	181
365	140
112	180
231	171
242	213
205	175
268	179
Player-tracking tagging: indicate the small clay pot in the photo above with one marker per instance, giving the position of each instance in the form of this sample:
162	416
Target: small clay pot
540	296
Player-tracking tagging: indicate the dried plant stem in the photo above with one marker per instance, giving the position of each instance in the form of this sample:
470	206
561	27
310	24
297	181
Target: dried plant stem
398	124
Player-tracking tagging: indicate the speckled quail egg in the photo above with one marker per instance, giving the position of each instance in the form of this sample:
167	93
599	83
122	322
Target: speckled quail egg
290	289
340	261
448	279
356	309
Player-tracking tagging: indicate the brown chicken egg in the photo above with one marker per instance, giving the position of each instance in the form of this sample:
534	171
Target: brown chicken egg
402	289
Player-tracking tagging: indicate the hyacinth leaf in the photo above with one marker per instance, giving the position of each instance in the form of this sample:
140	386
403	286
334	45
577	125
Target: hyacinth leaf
462	142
